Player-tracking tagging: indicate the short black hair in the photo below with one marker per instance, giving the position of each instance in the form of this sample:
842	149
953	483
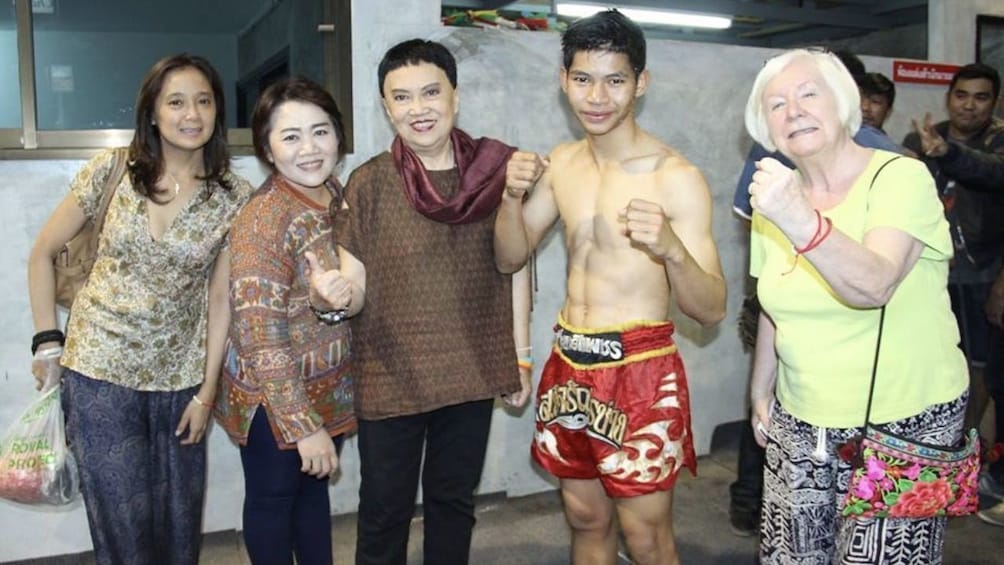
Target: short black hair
605	31
978	70
851	61
293	89
414	52
872	84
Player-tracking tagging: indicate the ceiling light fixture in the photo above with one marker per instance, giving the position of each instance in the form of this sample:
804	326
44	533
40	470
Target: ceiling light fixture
644	15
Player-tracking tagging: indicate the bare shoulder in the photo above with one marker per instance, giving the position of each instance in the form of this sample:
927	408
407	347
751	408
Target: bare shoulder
654	156
676	167
675	175
568	154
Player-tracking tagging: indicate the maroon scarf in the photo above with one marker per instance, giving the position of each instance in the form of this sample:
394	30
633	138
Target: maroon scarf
481	164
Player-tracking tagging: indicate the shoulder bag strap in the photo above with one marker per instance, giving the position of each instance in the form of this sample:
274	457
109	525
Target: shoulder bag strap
119	161
878	341
871	388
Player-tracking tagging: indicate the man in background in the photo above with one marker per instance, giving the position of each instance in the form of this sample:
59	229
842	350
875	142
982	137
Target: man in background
877	96
965	154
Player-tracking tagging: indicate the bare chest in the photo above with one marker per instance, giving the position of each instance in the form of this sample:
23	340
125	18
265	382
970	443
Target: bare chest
591	205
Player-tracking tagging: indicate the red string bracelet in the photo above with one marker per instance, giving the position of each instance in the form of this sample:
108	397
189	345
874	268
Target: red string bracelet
819	228
817	238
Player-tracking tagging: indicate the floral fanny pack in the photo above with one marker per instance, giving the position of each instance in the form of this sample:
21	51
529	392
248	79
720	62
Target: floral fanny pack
899	478
895	477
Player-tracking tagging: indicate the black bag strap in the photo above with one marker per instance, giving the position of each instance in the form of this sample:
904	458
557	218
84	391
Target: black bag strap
878	340
120	158
871	388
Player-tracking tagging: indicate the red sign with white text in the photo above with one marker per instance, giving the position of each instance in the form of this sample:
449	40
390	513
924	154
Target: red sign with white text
922	72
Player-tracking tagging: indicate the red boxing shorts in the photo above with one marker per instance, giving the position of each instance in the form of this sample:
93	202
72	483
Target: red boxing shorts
613	405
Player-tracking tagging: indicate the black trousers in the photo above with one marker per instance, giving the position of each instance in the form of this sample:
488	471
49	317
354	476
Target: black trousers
746	492
286	511
455	439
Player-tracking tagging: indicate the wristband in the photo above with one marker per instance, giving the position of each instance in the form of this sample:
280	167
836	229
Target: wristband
525	362
47	336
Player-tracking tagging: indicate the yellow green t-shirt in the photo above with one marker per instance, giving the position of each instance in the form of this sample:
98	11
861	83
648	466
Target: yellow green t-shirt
826	348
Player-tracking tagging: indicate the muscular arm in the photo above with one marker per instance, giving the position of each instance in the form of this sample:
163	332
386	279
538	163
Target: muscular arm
521	223
696	271
689	253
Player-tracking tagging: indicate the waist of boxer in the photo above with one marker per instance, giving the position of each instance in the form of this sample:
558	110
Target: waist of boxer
620	344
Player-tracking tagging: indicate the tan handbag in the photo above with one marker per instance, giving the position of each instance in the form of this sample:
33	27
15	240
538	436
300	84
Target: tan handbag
76	259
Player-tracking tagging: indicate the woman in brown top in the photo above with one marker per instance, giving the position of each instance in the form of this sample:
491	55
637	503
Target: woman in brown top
434	345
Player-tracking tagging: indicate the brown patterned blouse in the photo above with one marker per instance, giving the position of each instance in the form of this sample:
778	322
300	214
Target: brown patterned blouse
140	320
436	329
279	355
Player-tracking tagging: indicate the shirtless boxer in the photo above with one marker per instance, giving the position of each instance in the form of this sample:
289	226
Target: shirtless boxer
613	418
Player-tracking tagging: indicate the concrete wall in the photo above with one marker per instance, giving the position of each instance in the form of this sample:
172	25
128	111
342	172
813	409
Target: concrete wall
508	86
951	28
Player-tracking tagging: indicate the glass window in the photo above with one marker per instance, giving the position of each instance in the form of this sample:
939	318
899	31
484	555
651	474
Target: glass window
10	94
89	58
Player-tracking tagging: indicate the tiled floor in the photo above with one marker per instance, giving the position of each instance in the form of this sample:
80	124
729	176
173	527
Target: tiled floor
531	530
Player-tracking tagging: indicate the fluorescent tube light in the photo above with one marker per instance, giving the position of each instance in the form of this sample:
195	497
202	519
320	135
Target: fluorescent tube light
643	15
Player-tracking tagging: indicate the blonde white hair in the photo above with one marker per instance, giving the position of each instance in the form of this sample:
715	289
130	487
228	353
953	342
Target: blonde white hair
836	77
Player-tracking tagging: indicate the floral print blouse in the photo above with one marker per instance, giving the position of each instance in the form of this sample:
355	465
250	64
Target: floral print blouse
140	320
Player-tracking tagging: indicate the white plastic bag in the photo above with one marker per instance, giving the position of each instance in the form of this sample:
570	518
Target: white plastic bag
36	466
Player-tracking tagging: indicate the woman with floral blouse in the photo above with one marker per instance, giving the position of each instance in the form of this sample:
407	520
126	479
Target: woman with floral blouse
144	342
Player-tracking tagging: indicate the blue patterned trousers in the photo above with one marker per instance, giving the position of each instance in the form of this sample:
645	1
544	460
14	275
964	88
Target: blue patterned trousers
143	490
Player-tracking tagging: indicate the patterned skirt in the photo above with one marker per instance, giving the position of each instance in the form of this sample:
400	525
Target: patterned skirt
804	486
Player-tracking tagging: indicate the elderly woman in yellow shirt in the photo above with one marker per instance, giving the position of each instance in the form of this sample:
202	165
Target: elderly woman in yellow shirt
848	231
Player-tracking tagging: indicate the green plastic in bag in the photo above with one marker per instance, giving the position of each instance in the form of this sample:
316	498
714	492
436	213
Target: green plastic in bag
36	466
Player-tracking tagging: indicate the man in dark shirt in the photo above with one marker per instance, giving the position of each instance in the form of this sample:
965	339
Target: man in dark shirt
966	157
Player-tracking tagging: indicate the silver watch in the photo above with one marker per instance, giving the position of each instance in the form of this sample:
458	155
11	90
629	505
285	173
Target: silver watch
330	317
